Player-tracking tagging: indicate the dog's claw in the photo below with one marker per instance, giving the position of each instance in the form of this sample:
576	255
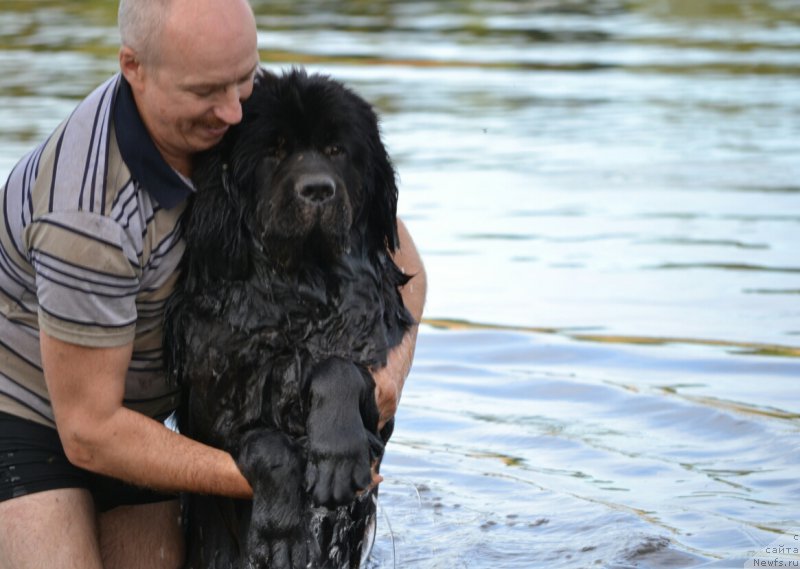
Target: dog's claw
277	554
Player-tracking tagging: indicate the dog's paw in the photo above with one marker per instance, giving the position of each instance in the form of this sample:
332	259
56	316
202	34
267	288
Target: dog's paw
270	463
336	471
266	456
338	444
277	553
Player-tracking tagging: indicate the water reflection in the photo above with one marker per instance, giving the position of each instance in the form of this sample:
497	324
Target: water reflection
601	455
606	196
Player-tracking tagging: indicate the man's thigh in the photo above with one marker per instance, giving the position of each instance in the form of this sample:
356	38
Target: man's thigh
147	536
45	500
55	529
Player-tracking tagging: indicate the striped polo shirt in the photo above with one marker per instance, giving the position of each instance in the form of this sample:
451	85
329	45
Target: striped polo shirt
89	247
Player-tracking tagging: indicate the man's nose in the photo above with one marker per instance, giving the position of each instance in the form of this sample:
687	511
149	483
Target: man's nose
229	108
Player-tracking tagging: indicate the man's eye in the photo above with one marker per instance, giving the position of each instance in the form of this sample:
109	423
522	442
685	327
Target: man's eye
203	92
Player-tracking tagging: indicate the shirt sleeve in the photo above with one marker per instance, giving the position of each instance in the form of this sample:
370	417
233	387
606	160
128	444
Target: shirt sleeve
87	278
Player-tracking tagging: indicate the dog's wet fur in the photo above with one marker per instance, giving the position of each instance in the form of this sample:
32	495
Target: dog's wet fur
288	297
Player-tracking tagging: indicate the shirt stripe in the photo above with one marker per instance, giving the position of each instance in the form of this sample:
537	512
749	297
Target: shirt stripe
88	252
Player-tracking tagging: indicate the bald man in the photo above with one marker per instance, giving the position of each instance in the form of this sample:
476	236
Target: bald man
89	249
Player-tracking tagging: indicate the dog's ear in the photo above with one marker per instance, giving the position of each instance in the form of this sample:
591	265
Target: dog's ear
215	224
381	196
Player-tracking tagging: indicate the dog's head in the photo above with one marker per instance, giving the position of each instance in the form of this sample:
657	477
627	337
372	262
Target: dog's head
307	171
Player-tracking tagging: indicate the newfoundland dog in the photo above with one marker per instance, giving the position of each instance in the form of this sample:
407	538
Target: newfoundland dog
288	298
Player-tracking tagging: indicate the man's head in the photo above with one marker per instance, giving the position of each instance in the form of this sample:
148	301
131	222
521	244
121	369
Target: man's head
190	63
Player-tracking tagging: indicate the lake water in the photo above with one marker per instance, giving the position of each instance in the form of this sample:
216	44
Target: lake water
607	198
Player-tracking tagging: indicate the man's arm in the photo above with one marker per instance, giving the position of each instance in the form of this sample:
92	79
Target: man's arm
389	380
86	387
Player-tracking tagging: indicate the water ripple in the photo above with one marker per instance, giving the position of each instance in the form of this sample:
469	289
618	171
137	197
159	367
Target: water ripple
598	432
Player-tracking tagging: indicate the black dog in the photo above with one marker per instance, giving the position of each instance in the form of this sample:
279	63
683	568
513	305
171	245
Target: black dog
287	298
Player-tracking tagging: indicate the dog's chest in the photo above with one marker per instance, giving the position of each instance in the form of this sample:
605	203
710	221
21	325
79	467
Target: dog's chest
319	315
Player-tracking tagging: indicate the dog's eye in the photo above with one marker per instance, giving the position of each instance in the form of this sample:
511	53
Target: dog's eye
334	150
277	150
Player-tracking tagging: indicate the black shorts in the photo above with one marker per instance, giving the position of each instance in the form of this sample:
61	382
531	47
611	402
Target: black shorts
33	460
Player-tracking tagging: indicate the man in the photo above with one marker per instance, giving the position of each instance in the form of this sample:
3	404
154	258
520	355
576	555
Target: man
88	252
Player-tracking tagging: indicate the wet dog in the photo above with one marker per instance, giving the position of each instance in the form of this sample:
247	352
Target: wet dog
288	297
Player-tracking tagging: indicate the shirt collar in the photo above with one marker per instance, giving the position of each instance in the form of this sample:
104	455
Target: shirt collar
139	152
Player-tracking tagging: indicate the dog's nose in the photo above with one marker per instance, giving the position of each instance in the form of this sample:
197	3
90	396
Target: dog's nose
315	188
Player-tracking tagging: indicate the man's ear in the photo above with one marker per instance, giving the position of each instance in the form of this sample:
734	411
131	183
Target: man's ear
131	66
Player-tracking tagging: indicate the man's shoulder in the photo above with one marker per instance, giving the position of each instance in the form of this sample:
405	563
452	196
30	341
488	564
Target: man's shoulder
94	111
78	167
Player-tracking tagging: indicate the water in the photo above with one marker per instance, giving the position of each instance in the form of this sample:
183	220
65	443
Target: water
606	196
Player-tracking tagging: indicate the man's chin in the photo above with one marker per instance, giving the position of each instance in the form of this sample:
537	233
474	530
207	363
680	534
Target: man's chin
208	137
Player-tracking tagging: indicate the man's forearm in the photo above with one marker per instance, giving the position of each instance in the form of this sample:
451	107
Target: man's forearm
408	259
390	380
86	387
135	448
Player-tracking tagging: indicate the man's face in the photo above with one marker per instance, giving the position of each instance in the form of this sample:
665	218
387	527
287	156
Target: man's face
192	93
190	113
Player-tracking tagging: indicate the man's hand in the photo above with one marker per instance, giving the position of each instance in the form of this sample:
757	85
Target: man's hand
389	380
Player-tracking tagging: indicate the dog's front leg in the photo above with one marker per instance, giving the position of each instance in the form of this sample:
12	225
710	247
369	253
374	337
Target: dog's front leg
339	453
269	461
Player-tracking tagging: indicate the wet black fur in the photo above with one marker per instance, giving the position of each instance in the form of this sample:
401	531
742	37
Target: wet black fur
287	297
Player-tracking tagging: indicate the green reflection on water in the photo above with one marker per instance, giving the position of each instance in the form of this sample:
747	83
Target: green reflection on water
763	12
466	18
741	348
